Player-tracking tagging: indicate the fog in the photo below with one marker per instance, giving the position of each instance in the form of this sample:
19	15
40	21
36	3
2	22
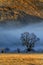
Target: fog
10	37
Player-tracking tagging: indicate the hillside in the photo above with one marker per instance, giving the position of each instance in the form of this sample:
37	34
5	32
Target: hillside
14	9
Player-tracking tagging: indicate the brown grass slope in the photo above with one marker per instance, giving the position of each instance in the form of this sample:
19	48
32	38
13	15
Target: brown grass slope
12	9
21	59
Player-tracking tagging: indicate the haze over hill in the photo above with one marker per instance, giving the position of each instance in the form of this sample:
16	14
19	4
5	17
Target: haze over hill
10	37
18	9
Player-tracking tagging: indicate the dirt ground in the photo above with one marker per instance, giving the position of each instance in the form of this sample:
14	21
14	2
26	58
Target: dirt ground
21	59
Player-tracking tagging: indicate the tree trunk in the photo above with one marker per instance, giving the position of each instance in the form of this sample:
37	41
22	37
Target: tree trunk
29	48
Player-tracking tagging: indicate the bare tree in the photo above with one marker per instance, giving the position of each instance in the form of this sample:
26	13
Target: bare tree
18	50
29	40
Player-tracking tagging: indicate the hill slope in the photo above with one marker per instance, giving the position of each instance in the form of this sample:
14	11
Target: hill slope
12	9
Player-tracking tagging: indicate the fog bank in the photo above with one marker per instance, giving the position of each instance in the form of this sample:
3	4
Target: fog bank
10	37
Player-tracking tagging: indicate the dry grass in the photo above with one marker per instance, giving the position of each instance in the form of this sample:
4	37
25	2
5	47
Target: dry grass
21	59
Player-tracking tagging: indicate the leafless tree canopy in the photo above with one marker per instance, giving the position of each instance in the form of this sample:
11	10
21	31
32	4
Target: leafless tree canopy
29	40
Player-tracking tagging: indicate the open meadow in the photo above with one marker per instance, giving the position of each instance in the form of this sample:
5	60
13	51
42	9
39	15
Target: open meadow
21	59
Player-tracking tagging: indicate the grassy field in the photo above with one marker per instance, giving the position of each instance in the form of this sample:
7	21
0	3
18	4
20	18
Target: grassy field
21	59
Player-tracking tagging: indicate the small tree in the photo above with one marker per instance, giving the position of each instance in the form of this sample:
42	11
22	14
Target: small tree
2	51
18	50
29	40
6	50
